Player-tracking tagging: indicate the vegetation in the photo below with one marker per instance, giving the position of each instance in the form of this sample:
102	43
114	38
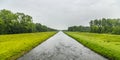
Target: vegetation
15	45
42	28
105	26
79	28
11	23
104	44
99	26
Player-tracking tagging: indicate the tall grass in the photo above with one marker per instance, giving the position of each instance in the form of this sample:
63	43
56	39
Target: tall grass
105	44
15	45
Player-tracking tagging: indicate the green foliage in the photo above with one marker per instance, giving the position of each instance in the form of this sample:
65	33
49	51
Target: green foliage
105	26
15	45
2	26
11	23
8	19
116	30
42	28
25	23
79	28
104	44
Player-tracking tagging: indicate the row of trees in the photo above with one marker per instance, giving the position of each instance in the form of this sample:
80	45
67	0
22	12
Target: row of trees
105	26
100	26
79	28
11	23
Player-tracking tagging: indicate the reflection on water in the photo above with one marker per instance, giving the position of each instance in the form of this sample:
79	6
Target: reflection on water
61	47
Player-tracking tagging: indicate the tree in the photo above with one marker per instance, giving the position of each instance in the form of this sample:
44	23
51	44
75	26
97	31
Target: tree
105	26
11	23
116	30
79	28
2	25
26	23
8	17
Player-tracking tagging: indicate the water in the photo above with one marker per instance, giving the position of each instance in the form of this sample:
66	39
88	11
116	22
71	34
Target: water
61	47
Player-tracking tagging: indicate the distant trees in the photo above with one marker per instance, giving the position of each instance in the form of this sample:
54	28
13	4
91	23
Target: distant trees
11	23
105	26
100	26
79	28
41	28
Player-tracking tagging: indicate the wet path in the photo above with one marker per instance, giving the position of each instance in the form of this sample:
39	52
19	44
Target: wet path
61	47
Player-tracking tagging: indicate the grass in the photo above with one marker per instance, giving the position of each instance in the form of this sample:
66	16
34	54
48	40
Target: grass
15	45
107	45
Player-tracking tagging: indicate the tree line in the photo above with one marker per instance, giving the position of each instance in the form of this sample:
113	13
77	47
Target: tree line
105	26
11	23
79	28
100	26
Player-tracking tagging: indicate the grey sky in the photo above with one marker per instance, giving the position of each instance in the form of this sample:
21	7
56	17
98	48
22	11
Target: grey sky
60	14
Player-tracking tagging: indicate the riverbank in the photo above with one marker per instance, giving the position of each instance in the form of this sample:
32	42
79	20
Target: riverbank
15	45
104	44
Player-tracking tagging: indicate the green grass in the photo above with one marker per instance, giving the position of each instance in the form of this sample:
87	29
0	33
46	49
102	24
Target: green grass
15	45
105	44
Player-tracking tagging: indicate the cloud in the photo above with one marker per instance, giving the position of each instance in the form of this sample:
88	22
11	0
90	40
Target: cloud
60	14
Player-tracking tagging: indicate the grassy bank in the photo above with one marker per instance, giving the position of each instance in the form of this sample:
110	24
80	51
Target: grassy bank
105	44
15	45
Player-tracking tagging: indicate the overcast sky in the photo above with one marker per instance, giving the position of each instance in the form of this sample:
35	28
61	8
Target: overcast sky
60	14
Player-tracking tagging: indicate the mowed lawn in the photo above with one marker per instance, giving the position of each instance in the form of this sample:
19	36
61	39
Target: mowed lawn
105	44
15	45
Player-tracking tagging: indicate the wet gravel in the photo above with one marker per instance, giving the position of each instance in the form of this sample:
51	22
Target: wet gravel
61	47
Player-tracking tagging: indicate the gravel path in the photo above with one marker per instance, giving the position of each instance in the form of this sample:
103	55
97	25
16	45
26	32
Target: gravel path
61	47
